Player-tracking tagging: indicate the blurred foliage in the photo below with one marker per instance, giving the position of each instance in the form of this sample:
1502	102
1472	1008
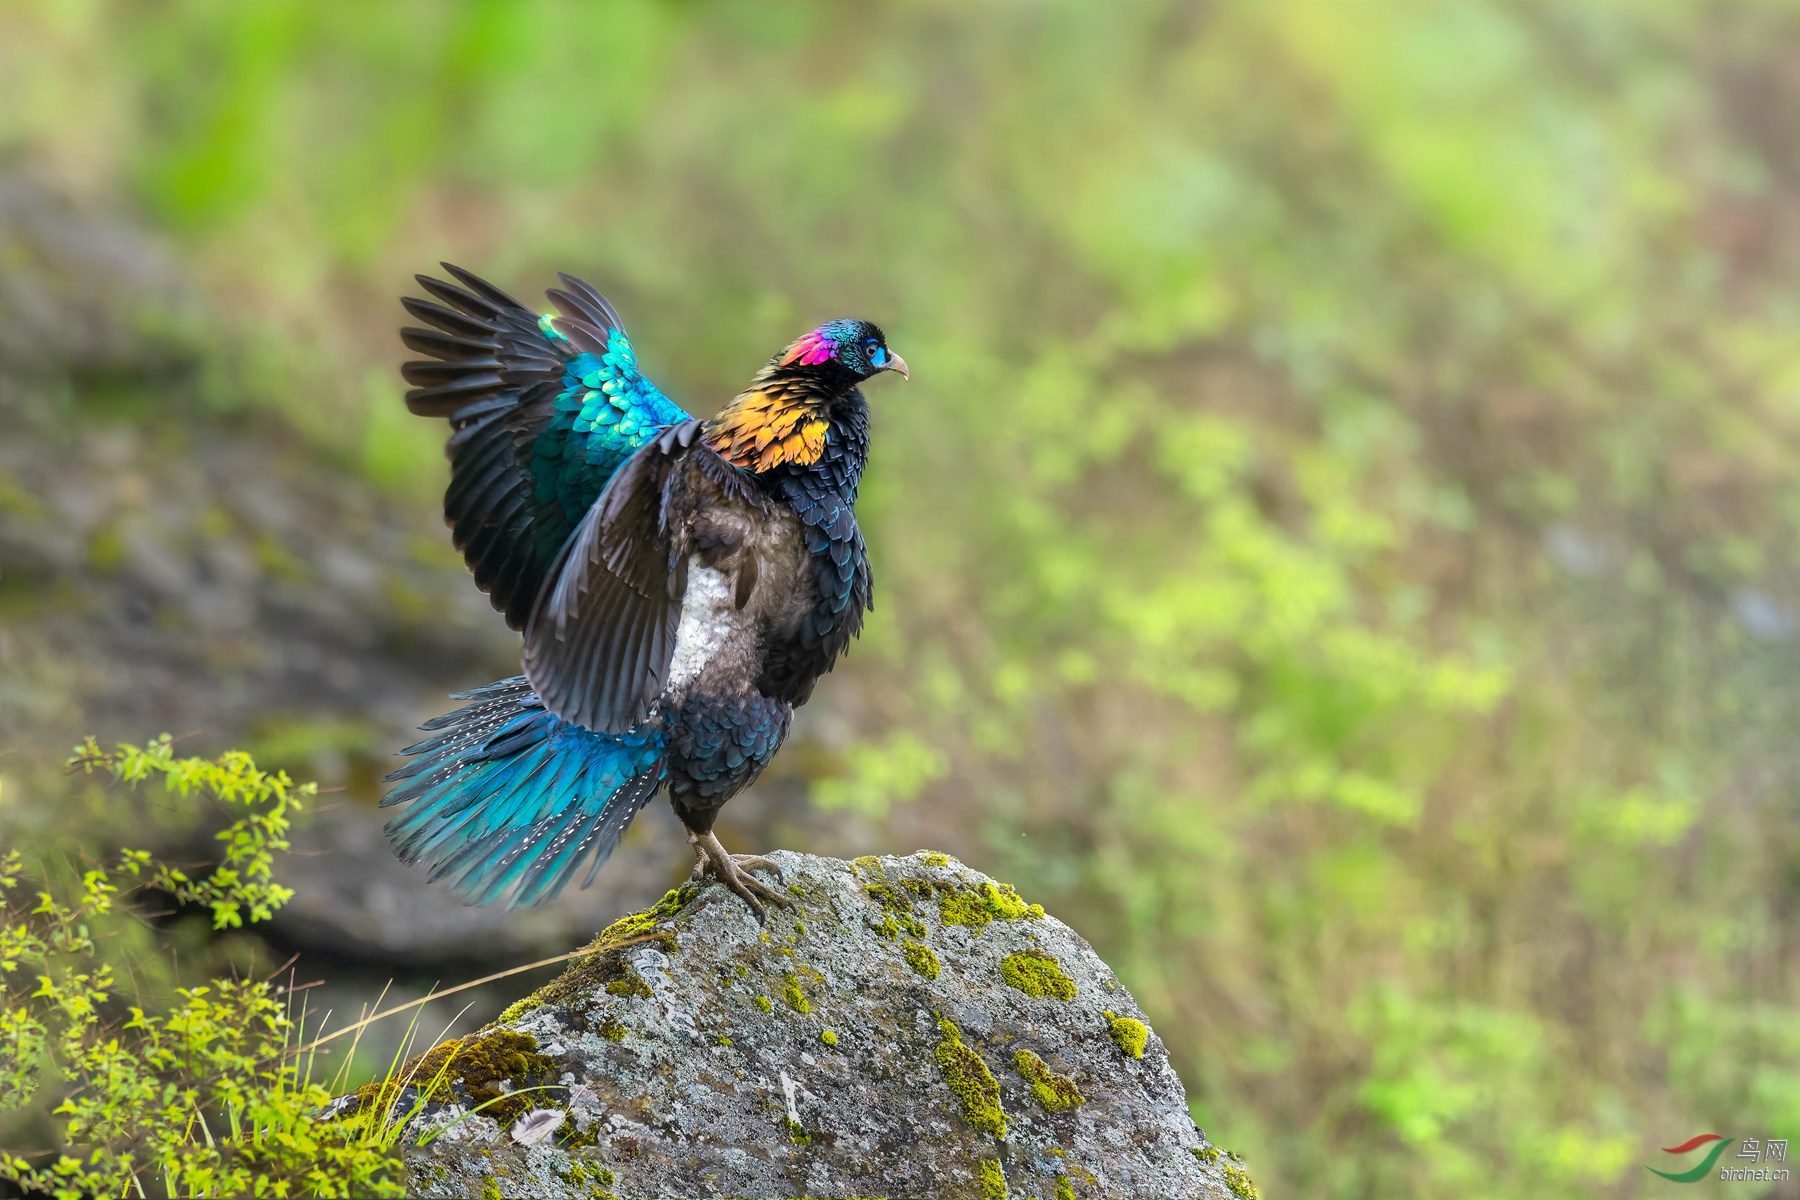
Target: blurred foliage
210	1094
1342	514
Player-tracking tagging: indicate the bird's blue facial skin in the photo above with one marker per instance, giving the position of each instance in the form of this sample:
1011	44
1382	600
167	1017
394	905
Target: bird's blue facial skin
860	347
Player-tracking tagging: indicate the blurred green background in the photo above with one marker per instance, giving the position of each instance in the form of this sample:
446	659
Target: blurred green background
1335	551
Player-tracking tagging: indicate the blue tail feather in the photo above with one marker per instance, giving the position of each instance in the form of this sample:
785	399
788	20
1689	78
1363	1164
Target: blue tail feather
507	800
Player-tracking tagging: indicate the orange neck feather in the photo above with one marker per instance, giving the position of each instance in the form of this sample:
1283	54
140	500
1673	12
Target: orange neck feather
771	423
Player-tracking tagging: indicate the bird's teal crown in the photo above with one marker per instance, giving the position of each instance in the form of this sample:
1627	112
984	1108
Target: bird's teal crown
858	345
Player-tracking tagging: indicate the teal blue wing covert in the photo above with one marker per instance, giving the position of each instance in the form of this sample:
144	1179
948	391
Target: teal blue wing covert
542	410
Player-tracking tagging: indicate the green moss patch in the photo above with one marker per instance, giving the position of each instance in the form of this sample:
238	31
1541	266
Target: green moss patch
611	1030
828	1037
886	896
603	963
1057	1093
992	1179
478	1063
629	983
934	859
920	958
517	1009
988	903
1130	1034
900	911
597	1182
673	901
970	1080
1240	1183
763	1003
1037	974
791	993
1064	1189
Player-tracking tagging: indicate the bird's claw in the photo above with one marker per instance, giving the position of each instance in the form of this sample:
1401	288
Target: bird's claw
756	862
733	870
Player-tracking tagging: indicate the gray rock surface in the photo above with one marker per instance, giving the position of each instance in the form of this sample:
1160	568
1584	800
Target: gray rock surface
880	1038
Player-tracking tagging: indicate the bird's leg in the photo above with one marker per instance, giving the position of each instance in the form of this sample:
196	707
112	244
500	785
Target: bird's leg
733	870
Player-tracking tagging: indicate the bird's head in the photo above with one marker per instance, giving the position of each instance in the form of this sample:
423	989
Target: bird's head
856	347
784	416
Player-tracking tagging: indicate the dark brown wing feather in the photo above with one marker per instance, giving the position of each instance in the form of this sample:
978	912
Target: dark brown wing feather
495	376
598	644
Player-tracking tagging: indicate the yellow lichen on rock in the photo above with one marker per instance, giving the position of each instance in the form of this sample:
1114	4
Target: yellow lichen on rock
1240	1183
1057	1093
971	1081
629	983
1129	1033
1037	974
899	907
921	959
637	923
987	903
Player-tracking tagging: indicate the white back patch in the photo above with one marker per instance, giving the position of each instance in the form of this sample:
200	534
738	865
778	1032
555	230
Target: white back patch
707	620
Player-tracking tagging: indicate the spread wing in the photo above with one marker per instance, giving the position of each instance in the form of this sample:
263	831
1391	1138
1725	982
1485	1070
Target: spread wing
599	642
542	411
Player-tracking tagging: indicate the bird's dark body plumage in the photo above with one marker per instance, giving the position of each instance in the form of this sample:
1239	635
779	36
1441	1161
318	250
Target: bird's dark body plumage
681	584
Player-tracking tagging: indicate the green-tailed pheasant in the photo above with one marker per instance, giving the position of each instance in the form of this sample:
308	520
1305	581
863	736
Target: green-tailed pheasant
681	584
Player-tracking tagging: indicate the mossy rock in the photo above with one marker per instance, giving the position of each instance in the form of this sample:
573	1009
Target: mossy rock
485	1069
698	1053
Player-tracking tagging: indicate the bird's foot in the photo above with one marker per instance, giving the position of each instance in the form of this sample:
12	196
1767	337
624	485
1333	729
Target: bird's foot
733	870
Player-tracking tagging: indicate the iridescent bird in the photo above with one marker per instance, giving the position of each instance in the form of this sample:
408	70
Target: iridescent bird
681	584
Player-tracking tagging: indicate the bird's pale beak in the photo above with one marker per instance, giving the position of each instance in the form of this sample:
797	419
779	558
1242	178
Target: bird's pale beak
896	363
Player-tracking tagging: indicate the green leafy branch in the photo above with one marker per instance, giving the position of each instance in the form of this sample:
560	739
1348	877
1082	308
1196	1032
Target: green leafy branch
208	1098
244	878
